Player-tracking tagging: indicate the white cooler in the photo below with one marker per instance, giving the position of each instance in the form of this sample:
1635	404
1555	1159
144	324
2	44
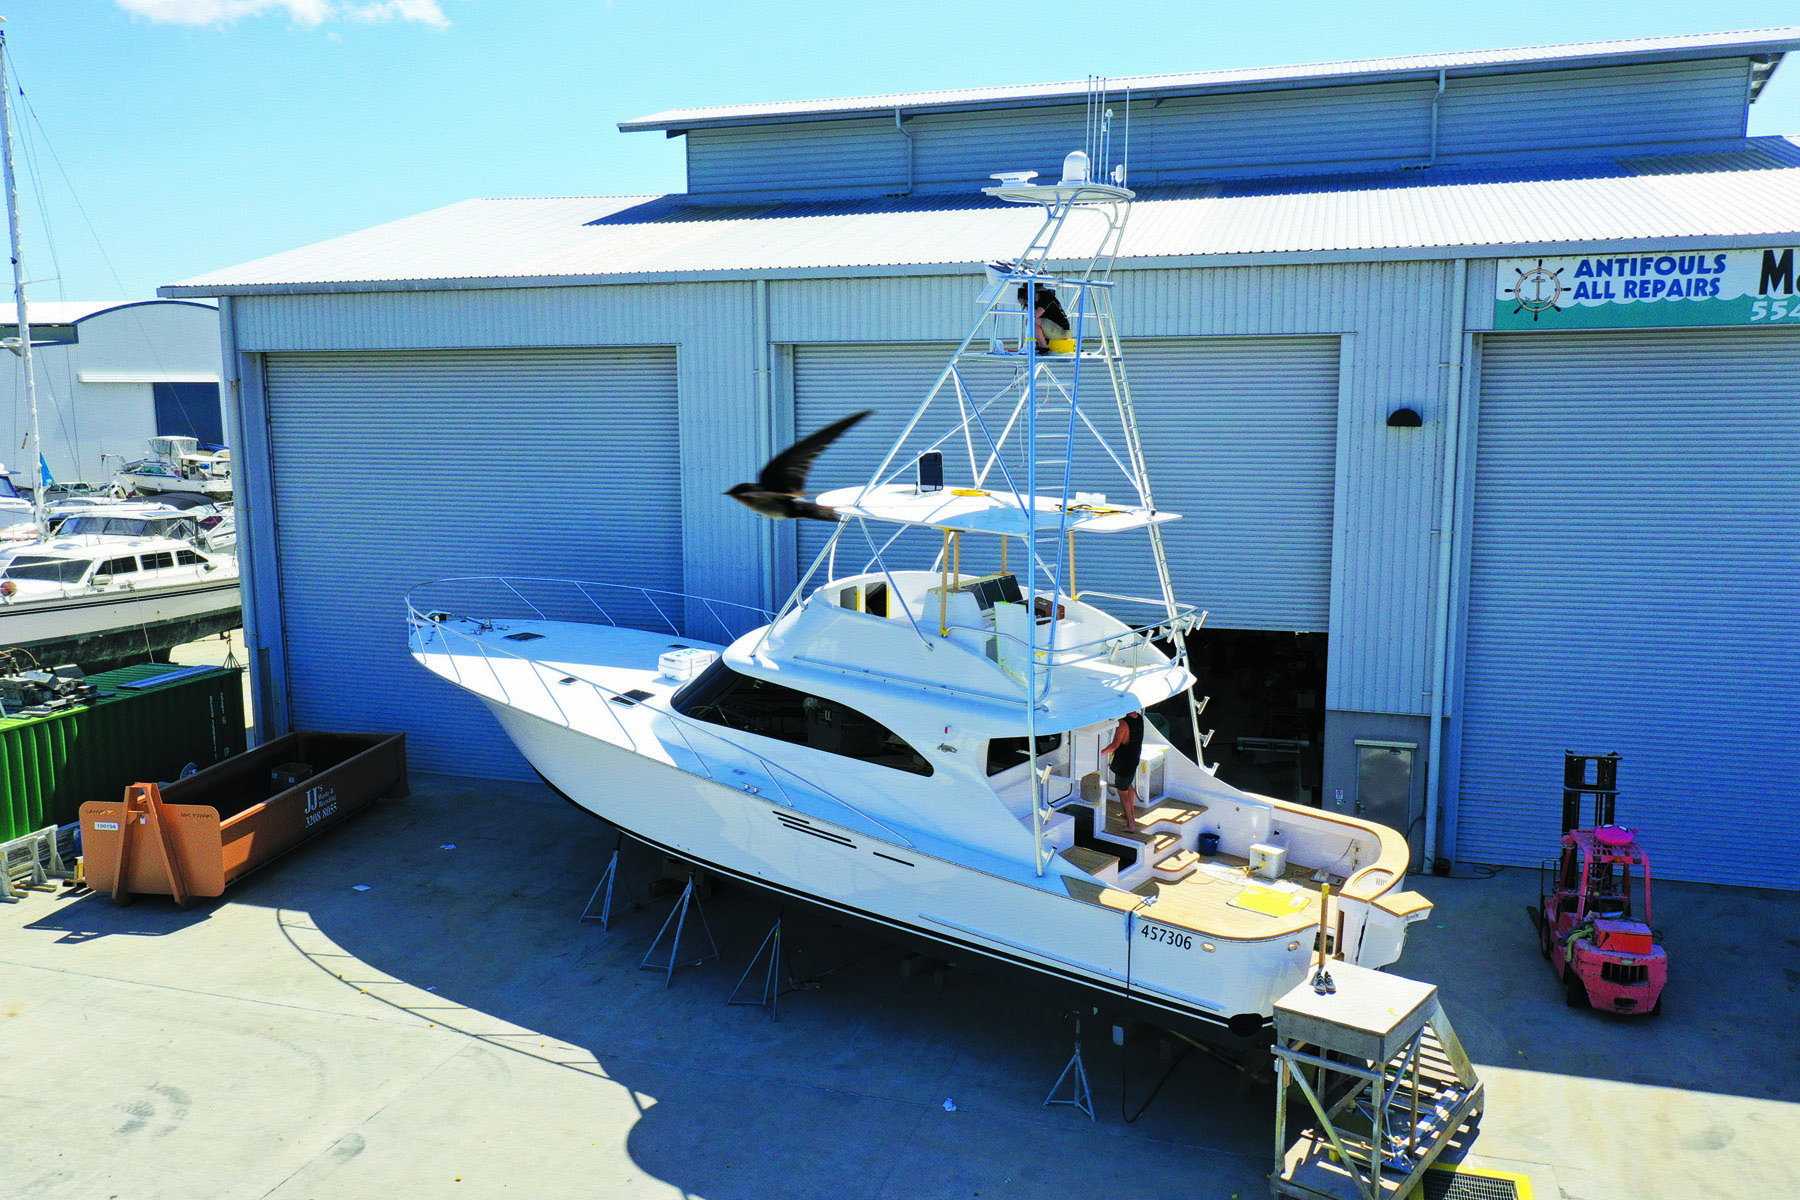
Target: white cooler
683	664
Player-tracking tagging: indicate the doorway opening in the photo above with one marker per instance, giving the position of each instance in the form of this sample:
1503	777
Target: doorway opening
1267	710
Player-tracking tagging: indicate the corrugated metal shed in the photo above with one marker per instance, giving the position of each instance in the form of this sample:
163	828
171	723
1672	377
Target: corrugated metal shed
1576	54
1752	192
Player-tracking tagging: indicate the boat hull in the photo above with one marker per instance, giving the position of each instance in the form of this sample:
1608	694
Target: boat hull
102	627
1215	986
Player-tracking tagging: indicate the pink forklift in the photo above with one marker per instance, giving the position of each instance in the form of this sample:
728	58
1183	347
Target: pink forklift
1588	924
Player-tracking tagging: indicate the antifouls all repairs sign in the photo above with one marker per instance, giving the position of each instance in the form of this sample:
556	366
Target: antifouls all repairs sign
1607	291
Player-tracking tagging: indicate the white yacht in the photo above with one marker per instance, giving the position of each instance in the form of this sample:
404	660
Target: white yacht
177	464
95	600
922	745
212	527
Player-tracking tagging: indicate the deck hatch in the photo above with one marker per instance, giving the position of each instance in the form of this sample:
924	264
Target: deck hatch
634	696
525	636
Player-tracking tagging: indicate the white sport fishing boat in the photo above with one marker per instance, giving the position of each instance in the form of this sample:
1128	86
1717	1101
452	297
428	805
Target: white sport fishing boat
922	745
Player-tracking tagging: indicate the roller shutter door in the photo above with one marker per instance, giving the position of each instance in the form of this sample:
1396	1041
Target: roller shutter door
394	468
1632	588
1239	435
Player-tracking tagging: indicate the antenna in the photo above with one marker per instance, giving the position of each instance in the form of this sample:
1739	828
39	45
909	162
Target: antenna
1122	172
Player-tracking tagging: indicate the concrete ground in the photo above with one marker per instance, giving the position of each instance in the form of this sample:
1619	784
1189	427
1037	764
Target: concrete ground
455	1030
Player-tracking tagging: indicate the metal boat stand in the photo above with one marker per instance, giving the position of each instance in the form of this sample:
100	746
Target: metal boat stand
772	988
607	879
678	918
1075	1075
1389	1086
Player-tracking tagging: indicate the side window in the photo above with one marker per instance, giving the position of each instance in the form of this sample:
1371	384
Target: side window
159	560
188	558
119	566
1004	753
721	696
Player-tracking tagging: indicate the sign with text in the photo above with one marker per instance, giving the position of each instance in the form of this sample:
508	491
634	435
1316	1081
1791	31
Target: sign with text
1707	287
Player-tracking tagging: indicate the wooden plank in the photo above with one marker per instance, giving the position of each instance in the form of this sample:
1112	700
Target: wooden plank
1091	861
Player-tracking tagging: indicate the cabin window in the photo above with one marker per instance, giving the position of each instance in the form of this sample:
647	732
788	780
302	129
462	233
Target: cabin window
1005	753
159	560
721	696
188	558
55	570
119	566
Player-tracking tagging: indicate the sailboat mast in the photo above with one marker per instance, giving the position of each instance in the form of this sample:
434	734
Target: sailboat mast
18	265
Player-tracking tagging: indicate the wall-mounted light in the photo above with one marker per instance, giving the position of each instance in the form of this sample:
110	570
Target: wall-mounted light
1404	418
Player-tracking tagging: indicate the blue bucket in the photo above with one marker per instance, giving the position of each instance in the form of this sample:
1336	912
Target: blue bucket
1209	843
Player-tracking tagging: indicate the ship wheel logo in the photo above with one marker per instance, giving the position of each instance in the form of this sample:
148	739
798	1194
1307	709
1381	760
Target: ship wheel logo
1538	290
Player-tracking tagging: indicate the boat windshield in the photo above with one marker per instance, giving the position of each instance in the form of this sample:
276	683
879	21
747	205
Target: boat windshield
178	527
55	570
721	696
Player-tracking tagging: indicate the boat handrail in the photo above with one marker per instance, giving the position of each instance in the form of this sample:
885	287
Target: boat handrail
656	598
423	626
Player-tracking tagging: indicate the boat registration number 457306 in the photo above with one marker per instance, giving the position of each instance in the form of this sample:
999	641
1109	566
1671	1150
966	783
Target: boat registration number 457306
1168	937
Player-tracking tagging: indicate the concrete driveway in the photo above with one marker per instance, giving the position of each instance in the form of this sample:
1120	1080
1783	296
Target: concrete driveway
455	1031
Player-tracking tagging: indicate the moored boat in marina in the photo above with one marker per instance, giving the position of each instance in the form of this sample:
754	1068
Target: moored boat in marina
99	600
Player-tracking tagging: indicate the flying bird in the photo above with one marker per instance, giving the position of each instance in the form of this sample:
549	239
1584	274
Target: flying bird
778	487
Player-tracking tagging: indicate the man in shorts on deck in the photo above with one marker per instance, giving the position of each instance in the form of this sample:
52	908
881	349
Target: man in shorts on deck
1126	748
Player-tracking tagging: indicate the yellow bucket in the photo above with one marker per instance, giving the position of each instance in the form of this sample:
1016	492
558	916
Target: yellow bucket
1062	345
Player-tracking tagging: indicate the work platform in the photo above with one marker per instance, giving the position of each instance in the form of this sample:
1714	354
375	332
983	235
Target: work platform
1389	1086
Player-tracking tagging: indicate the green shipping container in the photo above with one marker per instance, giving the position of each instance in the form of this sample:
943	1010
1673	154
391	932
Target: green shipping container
51	765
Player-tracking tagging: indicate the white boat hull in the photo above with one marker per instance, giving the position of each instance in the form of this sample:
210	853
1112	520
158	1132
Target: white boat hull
1029	921
29	622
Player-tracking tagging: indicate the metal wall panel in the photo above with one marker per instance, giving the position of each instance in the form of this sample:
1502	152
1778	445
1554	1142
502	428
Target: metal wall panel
1288	132
861	154
1239	436
1384	548
724	426
1631	588
1489	116
395	468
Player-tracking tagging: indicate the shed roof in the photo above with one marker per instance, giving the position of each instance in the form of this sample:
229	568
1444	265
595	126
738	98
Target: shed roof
66	312
1769	43
1745	195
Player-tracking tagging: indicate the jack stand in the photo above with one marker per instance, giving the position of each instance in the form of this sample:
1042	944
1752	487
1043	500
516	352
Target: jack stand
772	989
1076	1076
607	878
678	916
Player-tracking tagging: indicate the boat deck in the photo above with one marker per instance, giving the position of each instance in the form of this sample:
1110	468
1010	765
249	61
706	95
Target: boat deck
1217	895
1223	899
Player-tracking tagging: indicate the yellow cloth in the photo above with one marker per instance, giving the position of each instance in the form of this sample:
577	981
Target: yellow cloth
1269	902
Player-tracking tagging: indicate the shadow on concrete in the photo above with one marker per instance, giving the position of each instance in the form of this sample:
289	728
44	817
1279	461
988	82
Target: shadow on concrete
471	922
94	916
1732	975
843	1095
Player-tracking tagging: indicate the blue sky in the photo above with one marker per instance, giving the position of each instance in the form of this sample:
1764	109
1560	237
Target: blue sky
201	133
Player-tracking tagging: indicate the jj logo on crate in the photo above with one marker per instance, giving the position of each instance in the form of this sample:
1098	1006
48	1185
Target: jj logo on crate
321	802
